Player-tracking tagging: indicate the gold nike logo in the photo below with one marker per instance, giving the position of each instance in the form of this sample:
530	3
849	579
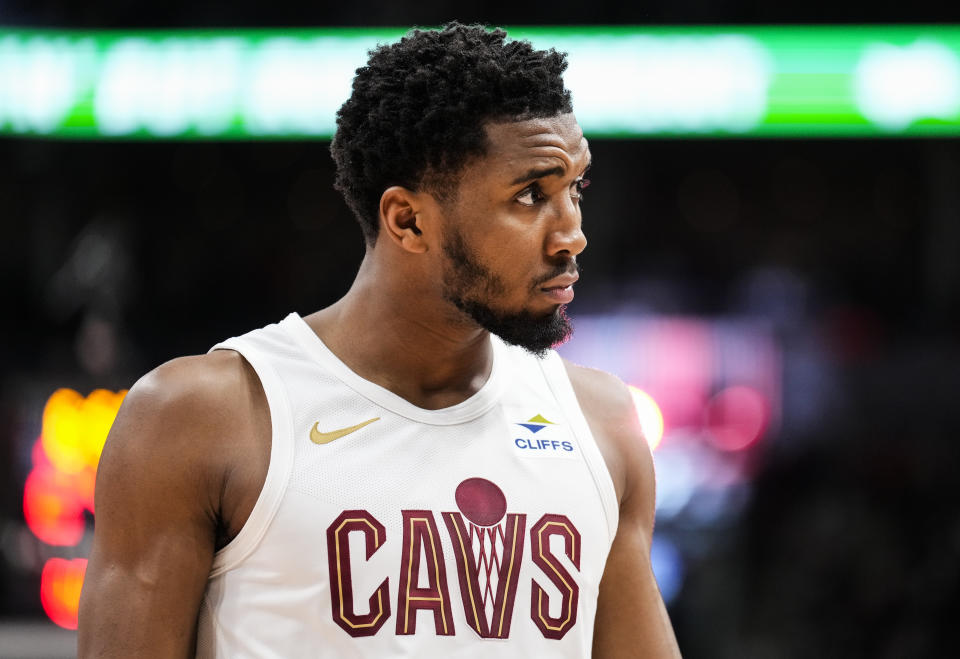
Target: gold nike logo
318	437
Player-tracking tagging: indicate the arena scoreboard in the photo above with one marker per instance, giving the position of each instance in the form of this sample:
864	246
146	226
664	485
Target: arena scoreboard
722	81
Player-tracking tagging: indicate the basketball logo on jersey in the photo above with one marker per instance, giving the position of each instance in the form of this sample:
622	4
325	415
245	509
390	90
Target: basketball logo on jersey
488	547
488	555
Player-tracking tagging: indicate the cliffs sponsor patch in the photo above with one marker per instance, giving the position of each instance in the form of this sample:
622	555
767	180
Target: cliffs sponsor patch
537	435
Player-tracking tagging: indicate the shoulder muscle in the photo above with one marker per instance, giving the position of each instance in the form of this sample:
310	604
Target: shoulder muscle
611	414
159	489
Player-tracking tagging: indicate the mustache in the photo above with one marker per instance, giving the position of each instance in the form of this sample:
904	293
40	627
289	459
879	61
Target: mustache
570	267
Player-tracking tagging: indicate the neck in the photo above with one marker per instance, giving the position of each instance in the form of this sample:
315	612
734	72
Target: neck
405	338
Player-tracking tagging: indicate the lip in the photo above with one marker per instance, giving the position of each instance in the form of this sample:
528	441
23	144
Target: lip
560	295
563	281
560	289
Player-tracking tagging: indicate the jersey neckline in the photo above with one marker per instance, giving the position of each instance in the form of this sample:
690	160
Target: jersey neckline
473	407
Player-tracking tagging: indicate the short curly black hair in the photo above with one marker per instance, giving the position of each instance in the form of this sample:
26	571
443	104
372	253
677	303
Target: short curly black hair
418	109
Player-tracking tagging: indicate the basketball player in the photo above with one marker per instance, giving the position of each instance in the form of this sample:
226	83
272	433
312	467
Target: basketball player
411	471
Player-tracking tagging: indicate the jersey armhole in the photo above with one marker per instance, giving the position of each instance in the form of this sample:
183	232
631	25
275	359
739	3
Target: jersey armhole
278	469
555	373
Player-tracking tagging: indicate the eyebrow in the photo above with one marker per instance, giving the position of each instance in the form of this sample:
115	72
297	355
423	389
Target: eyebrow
542	172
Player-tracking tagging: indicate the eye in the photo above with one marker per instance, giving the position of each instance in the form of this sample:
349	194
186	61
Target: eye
578	187
531	195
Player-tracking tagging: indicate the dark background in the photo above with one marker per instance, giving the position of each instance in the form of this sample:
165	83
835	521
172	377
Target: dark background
246	13
115	257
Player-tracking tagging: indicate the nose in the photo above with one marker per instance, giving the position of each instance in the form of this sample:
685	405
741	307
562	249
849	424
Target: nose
566	233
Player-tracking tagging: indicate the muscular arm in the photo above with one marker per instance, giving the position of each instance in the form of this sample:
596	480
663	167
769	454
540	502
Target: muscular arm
631	618
164	482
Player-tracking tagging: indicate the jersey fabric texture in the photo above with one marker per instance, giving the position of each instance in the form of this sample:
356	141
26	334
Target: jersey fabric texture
388	530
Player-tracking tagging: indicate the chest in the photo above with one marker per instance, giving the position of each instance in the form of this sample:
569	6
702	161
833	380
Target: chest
492	528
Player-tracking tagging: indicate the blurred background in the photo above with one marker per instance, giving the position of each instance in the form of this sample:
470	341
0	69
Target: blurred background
774	267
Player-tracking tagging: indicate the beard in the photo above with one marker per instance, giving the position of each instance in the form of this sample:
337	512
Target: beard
471	288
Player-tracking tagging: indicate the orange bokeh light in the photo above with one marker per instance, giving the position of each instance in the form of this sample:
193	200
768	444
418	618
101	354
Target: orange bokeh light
60	584
59	489
53	506
75	428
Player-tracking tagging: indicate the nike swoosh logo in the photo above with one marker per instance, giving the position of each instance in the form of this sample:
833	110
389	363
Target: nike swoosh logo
318	437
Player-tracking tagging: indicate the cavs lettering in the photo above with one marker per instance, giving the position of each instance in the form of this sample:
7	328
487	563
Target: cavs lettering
488	548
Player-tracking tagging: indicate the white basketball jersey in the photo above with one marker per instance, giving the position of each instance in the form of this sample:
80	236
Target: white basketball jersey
388	530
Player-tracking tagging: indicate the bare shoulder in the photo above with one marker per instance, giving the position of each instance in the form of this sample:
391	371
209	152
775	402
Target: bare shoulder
605	394
199	383
195	422
608	407
186	405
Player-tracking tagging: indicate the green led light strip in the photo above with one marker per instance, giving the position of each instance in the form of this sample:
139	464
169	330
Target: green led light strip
626	82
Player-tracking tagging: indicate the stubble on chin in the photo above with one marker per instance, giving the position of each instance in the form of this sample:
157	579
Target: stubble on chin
473	290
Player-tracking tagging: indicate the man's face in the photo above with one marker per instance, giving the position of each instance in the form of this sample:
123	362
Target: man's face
512	234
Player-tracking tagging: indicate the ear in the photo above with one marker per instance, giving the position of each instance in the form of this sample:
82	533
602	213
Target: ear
400	211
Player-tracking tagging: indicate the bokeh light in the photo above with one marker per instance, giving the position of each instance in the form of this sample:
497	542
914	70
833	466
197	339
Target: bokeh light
668	567
651	418
60	585
59	489
736	418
